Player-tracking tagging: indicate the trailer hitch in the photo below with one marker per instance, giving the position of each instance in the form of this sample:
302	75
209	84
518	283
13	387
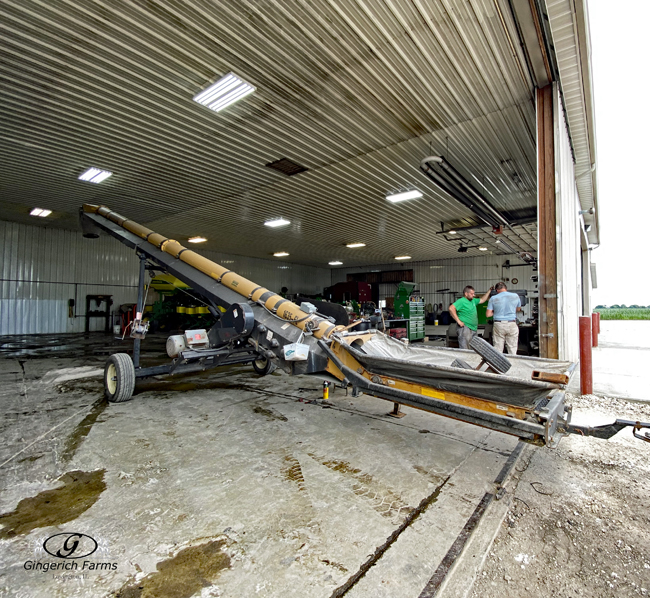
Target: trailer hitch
638	426
608	430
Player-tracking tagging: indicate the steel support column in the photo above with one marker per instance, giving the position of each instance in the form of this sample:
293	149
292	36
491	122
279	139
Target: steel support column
546	206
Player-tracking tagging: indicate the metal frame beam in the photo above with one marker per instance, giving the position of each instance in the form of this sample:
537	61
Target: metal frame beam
546	210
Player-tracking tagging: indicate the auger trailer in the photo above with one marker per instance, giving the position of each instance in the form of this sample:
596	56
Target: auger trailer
517	395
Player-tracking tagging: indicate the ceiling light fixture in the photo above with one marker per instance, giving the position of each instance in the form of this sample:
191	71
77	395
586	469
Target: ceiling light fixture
40	212
95	175
402	257
197	240
395	197
336	263
277	222
450	180
224	92
452	232
354	245
482	248
280	254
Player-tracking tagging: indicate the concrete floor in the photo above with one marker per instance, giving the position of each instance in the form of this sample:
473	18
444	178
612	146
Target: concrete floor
224	484
620	362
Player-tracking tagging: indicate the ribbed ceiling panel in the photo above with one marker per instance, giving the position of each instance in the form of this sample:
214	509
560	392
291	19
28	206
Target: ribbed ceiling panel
358	92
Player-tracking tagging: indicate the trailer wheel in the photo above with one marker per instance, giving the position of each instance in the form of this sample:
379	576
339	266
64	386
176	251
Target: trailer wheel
263	366
495	359
460	363
119	378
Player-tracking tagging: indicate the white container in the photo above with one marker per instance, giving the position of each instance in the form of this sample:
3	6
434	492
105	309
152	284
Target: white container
197	339
296	351
117	330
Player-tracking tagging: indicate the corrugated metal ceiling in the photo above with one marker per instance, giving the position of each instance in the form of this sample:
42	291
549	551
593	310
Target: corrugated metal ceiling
356	91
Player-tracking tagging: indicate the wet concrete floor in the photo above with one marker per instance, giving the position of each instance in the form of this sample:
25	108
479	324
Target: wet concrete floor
221	484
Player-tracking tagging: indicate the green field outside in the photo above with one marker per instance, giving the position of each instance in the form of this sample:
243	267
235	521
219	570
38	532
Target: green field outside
624	313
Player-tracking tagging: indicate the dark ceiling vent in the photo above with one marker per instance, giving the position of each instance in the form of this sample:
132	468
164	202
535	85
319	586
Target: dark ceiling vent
286	166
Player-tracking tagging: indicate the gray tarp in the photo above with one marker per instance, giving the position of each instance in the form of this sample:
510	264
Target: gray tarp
431	366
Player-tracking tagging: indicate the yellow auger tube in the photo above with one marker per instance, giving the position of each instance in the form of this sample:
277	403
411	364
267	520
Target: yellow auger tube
284	309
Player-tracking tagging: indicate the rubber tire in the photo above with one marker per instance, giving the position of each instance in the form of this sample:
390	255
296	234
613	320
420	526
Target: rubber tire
263	366
495	359
459	363
119	378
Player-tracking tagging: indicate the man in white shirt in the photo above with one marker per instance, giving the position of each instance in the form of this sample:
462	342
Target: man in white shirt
504	307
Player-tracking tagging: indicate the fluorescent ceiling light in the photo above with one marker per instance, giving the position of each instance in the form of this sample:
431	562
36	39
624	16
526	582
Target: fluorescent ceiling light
95	175
197	240
402	257
395	197
336	263
353	245
482	248
224	92
40	212
280	254
277	222
452	232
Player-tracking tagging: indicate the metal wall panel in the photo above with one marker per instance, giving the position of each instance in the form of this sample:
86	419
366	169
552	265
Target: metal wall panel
432	276
569	250
275	274
42	268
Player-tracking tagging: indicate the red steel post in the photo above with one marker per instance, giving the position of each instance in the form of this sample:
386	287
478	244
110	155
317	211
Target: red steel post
586	373
594	329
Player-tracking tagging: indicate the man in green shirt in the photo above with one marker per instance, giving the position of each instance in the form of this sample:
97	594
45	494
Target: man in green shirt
464	312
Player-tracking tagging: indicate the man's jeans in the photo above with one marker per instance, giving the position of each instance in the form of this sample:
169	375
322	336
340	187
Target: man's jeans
465	335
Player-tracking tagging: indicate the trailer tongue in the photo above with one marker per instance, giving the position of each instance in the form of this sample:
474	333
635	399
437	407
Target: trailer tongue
258	326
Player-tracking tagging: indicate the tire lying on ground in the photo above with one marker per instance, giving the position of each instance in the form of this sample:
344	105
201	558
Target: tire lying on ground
493	357
459	363
119	378
263	366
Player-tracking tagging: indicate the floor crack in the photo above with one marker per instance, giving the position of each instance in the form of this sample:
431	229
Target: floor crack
22	367
379	552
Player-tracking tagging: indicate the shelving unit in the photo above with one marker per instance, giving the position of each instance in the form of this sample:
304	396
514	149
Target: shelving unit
411	308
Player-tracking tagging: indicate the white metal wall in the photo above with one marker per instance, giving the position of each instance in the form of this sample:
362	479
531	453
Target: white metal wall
568	242
42	268
275	274
481	272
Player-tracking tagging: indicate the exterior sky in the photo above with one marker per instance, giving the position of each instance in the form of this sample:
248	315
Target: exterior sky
619	41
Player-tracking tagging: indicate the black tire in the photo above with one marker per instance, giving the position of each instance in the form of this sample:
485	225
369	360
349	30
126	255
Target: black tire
459	363
495	359
119	378
263	366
